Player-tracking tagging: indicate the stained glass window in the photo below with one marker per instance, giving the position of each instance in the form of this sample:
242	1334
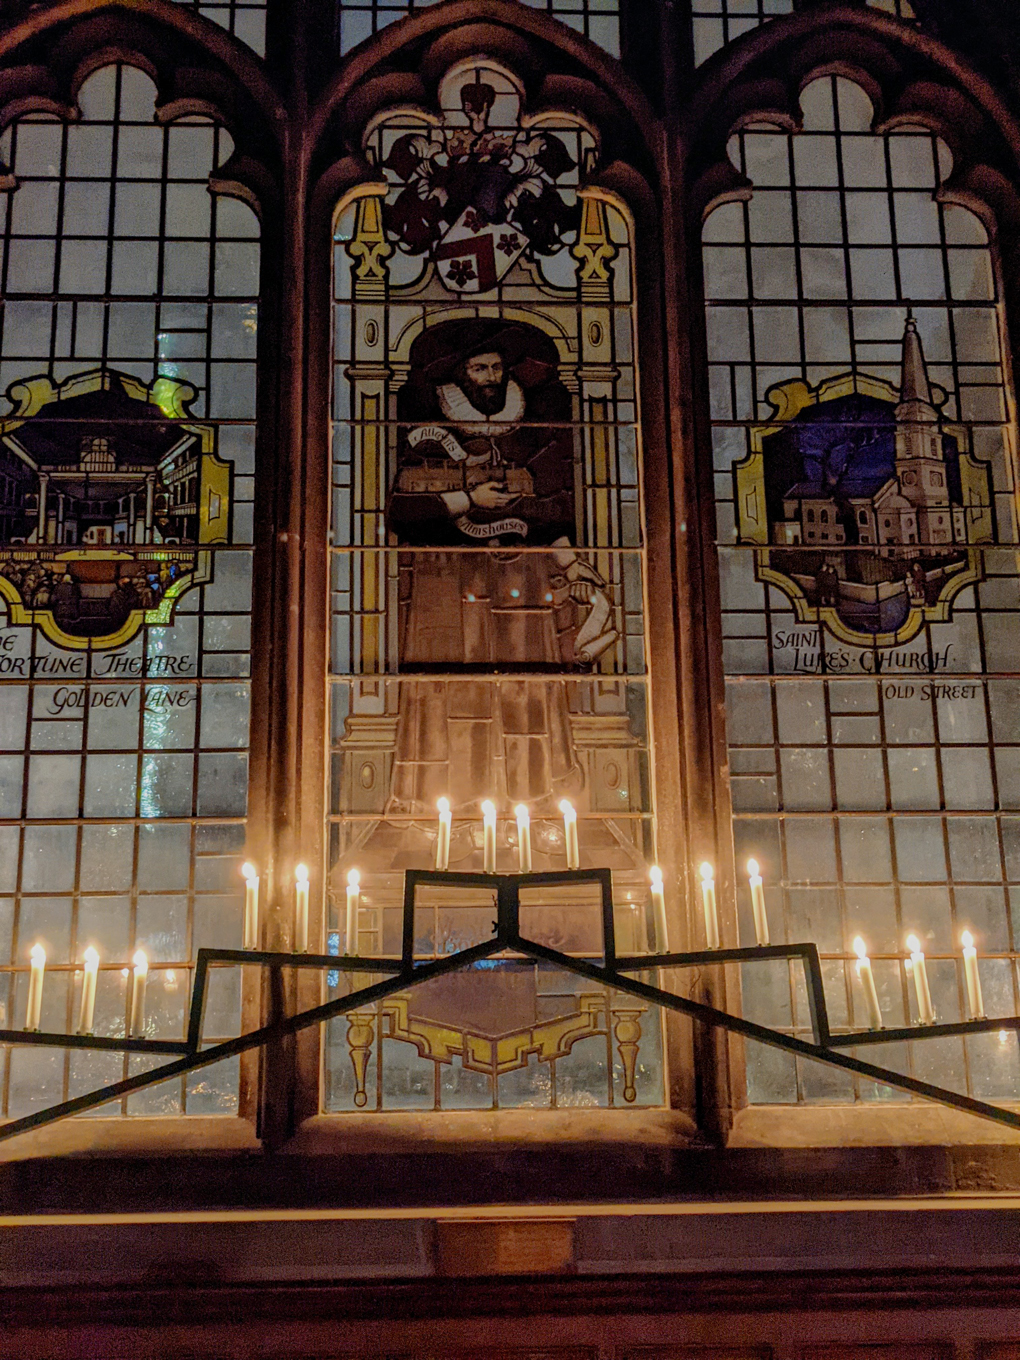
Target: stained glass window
598	20
127	348
245	19
487	617
718	22
866	518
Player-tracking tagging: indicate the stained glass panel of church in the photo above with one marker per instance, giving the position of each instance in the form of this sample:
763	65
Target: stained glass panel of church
487	597
127	348
598	20
865	481
245	19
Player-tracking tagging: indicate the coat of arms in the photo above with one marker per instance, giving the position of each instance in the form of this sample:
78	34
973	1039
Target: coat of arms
481	190
107	494
868	507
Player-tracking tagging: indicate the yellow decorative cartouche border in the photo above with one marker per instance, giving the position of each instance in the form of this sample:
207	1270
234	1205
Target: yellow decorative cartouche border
787	401
173	398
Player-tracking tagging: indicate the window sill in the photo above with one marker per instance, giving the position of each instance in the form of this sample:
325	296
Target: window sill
462	1130
134	1136
818	1126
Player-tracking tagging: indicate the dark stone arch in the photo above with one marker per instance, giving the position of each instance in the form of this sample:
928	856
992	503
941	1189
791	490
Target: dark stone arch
559	67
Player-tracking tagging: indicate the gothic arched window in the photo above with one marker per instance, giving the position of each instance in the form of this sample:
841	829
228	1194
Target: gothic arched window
127	348
857	359
487	611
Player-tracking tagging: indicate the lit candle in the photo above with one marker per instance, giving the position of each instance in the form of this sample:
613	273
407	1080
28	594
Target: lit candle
138	979
523	838
353	907
570	835
488	837
975	1002
761	921
251	906
867	977
708	903
88	991
925	1010
443	838
301	909
33	1011
659	909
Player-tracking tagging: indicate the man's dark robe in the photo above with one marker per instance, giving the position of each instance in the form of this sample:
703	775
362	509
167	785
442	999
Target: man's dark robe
490	609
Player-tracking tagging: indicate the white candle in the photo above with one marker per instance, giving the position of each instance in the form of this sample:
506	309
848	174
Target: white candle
443	837
659	909
708	903
301	909
523	838
925	1010
570	835
761	921
88	991
488	837
251	906
867	977
353	908
139	976
975	1002
33	1010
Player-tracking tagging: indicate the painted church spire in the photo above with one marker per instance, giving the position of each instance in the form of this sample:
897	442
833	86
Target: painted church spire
915	386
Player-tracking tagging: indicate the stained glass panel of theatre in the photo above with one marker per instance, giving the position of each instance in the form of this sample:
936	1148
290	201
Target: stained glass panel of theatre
245	19
598	20
865	480
127	362
487	598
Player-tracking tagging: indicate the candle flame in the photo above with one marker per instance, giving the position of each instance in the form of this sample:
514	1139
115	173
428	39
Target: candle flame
1003	1036
488	808
521	812
301	873
707	872
353	878
567	809
91	957
37	954
139	960
248	870
913	944
655	874
860	948
968	940
443	804
752	867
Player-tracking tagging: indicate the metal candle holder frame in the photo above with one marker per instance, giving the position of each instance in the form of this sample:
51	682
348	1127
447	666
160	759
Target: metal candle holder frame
613	972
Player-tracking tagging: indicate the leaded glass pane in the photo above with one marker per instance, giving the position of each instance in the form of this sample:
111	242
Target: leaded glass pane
129	319
598	20
865	484
487	586
716	23
245	19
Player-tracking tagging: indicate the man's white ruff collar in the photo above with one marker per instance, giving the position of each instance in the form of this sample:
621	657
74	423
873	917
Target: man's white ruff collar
456	408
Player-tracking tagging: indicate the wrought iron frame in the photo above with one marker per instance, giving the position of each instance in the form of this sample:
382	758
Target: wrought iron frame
613	972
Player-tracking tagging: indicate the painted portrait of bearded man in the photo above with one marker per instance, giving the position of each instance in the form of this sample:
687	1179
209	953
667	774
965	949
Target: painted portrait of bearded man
485	476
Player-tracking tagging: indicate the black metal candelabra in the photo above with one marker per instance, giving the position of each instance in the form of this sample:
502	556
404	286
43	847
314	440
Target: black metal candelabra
612	971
